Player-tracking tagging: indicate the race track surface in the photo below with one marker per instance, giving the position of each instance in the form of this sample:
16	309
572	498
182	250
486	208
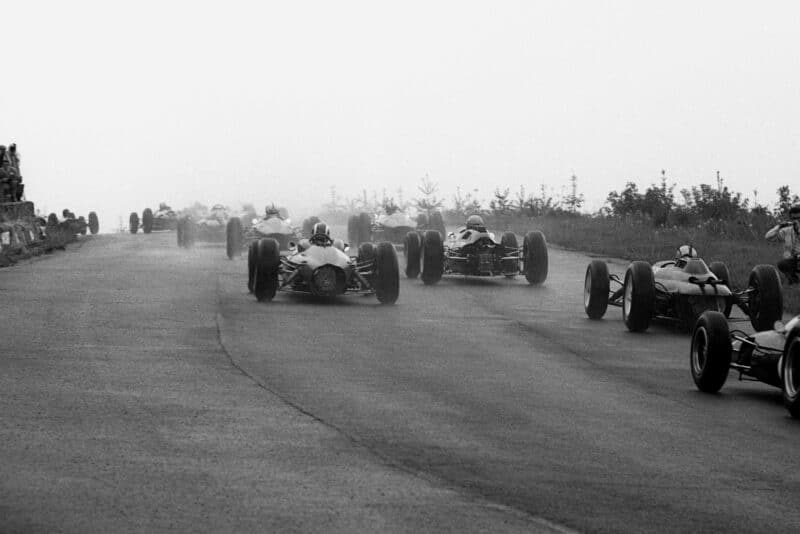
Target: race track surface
142	388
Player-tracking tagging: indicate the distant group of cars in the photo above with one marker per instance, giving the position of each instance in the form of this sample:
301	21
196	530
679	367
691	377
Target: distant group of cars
684	290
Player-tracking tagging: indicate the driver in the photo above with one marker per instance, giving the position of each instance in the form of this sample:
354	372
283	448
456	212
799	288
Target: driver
683	254
321	235
475	222
788	233
272	211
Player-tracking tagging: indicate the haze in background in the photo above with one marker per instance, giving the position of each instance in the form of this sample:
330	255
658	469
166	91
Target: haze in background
116	107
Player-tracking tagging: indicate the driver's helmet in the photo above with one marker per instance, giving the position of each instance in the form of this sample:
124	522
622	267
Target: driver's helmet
272	211
475	222
684	252
794	212
321	234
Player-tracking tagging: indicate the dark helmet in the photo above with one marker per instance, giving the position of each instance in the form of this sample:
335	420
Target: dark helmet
475	222
794	212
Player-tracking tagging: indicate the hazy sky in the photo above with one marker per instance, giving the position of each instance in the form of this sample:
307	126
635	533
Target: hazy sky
117	106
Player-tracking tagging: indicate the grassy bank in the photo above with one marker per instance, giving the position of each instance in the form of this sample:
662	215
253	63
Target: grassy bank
740	248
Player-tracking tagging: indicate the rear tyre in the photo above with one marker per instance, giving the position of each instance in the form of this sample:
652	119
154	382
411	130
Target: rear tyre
509	244
252	260
179	228
710	357
352	230
387	273
534	257
147	220
766	297
790	376
94	223
267	264
596	289
720	270
413	253
133	222
364	227
233	237
83	226
432	257
437	223
639	296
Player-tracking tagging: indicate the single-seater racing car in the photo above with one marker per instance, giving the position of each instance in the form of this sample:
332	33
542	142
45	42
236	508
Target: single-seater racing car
771	356
320	266
680	290
164	218
392	224
474	251
275	225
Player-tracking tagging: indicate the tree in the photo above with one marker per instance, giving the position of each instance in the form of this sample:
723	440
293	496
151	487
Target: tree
785	201
429	202
500	204
573	201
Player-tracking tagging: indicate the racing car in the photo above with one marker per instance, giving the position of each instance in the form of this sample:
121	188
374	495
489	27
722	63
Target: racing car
164	218
680	290
320	266
391	225
474	251
275	225
771	356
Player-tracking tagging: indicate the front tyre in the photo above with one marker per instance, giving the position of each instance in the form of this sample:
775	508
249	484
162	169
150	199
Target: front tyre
639	295
766	297
133	222
268	262
432	257
534	257
413	252
147	220
790	376
233	237
94	223
596	287
387	273
710	356
721	271
252	260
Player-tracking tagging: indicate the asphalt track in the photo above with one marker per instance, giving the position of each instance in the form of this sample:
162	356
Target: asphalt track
143	389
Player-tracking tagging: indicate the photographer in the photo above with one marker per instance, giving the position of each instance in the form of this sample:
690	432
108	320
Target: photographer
788	233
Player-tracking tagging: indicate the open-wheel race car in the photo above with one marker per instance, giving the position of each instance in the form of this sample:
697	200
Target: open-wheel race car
164	218
474	251
275	225
320	266
391	225
210	227
771	356
679	290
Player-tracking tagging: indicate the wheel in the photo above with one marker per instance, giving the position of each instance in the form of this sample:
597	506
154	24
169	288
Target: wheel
147	220
790	375
639	296
437	223
387	273
364	227
83	226
534	257
268	259
352	230
720	270
422	221
252	258
432	257
596	289
133	222
52	219
509	243
189	233
94	223
766	297
710	356
179	228
233	237
366	252
413	252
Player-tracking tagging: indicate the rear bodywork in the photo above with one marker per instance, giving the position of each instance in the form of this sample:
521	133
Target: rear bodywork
324	271
478	253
